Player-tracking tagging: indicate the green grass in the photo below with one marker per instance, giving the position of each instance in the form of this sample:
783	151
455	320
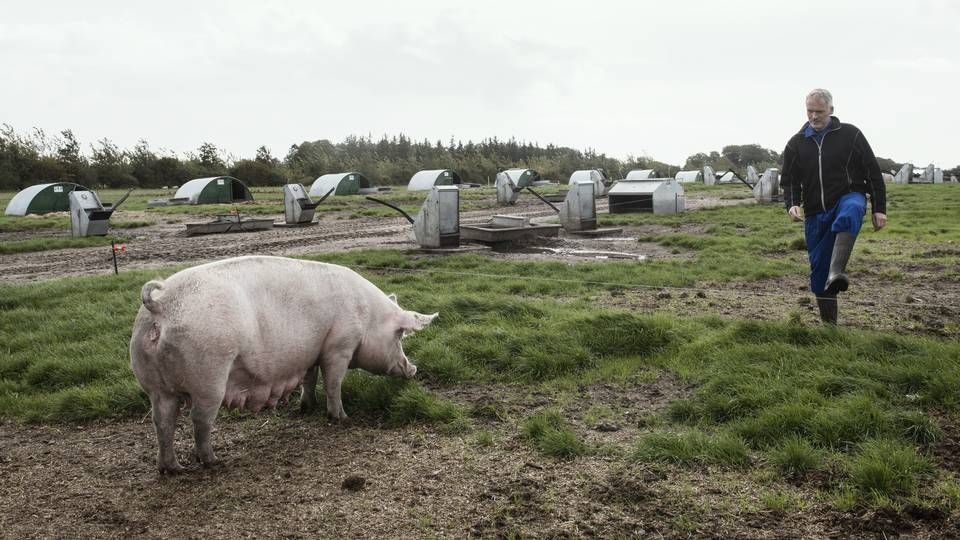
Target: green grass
692	448
808	403
550	433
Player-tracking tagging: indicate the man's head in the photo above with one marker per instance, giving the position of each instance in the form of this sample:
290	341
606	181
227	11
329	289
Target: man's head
819	108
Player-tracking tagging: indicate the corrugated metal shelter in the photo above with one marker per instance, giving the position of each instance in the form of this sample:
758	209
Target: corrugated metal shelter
641	174
660	196
687	177
590	175
42	198
522	177
425	180
214	190
347	183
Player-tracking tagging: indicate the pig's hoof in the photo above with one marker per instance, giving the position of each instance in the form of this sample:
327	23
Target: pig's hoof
175	468
210	463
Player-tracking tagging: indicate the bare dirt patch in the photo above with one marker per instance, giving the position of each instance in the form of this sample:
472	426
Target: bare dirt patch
301	477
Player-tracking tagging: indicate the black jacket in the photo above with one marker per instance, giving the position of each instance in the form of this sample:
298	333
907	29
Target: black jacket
816	176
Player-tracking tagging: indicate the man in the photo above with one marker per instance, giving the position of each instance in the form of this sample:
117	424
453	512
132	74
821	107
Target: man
829	170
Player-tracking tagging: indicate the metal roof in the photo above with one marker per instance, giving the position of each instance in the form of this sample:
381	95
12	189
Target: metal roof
425	180
641	174
326	182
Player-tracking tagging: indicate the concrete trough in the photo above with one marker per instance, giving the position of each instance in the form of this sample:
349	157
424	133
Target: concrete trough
502	229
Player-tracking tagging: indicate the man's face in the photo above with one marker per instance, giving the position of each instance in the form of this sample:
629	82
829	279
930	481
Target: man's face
818	113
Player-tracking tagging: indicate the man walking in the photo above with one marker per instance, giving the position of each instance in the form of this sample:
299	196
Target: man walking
829	170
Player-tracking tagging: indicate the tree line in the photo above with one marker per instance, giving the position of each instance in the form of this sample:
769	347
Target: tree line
37	157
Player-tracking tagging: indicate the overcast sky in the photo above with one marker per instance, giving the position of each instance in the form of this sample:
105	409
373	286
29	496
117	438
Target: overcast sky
662	79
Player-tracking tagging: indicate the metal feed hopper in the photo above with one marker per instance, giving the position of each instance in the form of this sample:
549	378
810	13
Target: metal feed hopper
904	175
298	208
709	176
437	225
579	210
660	196
767	188
507	190
88	216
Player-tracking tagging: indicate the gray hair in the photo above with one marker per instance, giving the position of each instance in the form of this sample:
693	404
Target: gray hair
822	95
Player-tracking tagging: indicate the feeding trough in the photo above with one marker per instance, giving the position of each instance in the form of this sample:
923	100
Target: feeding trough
660	196
437	225
229	223
767	188
502	229
298	208
88	216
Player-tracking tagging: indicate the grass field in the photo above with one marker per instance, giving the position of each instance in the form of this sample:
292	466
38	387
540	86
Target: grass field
853	414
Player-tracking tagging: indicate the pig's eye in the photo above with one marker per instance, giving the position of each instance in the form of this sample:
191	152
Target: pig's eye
400	333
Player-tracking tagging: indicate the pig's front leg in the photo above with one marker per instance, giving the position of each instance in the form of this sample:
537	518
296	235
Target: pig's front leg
308	395
165	411
334	370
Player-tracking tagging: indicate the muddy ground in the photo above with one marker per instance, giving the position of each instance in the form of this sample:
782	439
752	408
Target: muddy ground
284	475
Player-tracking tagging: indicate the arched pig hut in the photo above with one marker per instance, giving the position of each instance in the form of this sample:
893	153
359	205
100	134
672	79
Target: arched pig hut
687	177
425	180
42	198
641	174
346	183
214	190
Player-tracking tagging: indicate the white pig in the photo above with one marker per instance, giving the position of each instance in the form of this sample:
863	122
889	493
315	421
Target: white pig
246	332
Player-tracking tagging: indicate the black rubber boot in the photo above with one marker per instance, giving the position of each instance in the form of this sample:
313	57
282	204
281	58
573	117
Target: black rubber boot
837	280
828	308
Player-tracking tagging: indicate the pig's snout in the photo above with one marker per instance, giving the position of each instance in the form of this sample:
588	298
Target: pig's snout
409	370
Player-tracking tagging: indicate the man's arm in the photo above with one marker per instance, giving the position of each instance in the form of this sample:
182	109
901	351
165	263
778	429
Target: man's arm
790	183
878	190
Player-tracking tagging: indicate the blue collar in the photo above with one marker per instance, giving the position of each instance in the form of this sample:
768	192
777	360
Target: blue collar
817	136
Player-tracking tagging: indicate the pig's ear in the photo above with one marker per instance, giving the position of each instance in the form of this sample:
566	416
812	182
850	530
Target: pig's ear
423	320
392	297
411	321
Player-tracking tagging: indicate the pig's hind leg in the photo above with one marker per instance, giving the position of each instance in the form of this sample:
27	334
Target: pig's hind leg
166	408
203	414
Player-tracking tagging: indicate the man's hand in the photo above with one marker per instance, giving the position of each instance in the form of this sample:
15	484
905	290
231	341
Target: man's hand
879	221
796	213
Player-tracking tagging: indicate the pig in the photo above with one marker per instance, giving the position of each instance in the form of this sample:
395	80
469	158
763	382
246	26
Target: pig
246	332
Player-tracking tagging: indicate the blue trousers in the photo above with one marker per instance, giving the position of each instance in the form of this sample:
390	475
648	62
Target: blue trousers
821	231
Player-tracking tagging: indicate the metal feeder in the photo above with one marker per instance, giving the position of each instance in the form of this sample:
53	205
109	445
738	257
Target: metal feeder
298	208
660	196
767	188
507	190
88	216
904	175
437	225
